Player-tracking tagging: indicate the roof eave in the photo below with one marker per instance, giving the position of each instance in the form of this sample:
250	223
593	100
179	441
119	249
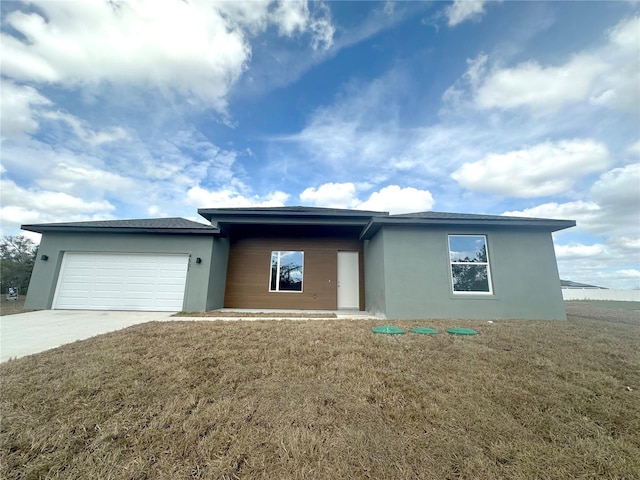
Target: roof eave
541	224
164	231
249	215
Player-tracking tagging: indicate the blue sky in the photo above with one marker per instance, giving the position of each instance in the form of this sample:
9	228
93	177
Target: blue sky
137	109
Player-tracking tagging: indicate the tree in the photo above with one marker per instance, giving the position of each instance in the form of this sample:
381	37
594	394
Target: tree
471	277
291	276
17	256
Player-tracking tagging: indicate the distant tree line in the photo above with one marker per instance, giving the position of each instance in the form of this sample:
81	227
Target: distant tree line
17	256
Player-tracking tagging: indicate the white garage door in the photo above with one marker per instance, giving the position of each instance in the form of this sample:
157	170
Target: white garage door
121	281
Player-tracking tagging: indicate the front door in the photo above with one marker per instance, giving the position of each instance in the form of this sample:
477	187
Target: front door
348	280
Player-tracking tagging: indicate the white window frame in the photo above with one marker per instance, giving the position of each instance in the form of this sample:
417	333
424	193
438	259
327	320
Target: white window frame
277	289
486	264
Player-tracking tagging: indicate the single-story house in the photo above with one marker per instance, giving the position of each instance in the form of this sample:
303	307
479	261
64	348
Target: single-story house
420	265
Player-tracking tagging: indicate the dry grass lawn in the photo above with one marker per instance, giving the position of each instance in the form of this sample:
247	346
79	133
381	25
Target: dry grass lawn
329	399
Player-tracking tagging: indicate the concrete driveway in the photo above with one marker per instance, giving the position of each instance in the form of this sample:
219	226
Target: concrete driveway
27	333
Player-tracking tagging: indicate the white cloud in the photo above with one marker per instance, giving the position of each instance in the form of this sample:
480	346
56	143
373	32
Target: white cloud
60	168
607	265
584	213
84	180
231	197
361	136
578	250
291	16
617	192
626	243
619	88
183	46
322	29
389	7
612	208
607	76
540	88
634	149
344	144
391	198
463	10
544	169
625	34
195	49
619	188
34	237
630	273
155	211
23	109
33	205
395	199
140	175
57	202
331	195
17	115
83	132
339	133
612	211
476	69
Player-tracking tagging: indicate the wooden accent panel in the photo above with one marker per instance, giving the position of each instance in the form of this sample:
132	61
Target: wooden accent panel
249	269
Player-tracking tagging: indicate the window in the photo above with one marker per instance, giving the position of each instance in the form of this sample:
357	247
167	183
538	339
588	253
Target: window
470	271
286	271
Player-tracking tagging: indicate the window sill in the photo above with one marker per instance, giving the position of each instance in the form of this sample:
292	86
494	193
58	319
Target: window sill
473	296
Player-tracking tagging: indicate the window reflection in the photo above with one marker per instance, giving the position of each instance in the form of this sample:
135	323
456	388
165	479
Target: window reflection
286	271
469	263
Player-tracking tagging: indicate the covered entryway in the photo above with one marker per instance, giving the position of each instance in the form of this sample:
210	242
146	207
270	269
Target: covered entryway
121	281
348	280
251	266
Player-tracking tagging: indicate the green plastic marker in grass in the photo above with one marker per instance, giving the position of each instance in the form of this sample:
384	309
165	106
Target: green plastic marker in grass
462	331
388	329
425	330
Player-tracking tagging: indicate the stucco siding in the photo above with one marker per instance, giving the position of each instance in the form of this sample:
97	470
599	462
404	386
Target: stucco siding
53	244
218	273
375	277
523	269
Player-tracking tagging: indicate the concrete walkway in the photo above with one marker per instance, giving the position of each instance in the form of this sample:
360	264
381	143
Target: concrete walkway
33	332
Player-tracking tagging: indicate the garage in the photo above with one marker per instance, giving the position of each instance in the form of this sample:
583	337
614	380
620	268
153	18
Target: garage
121	281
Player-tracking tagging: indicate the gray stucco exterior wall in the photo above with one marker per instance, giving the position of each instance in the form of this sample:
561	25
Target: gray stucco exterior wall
53	244
417	278
218	273
374	280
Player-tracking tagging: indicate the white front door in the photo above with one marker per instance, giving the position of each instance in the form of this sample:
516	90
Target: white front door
348	280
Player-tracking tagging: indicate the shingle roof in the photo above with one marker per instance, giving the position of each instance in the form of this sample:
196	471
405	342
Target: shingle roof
296	208
291	211
459	216
143	225
570	284
372	221
463	219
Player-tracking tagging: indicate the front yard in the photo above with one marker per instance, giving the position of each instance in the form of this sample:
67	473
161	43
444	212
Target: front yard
330	399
